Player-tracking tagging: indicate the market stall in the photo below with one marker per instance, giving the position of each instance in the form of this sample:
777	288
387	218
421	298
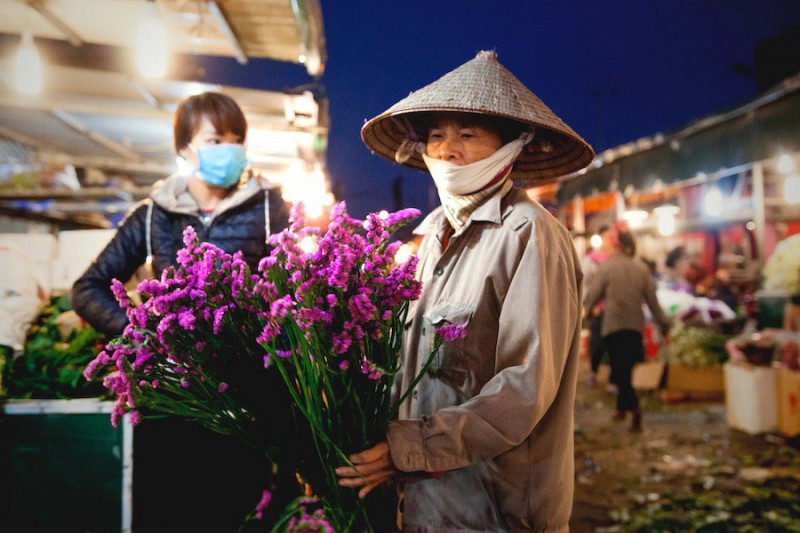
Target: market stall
76	153
725	191
726	187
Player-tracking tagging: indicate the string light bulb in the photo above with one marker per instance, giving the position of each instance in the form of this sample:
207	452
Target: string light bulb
635	217
152	50
666	219
28	72
786	164
791	190
712	202
596	241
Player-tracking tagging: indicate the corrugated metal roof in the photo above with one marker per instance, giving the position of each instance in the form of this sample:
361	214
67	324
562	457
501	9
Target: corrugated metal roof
763	128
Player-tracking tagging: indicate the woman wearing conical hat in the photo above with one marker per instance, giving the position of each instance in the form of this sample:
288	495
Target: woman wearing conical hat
485	443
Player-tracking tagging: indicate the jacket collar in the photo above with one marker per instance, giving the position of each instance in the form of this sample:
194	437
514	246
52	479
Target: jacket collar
492	211
172	194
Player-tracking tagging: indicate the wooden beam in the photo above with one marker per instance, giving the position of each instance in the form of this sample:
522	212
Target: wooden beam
80	127
41	7
225	28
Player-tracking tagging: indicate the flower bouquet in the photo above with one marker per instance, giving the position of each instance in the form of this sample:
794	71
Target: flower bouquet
782	270
297	360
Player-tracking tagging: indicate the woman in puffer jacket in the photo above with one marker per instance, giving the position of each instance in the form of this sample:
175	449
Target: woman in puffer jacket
220	478
227	207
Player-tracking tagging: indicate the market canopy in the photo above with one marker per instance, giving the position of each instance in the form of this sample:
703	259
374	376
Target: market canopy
763	128
106	120
96	114
284	30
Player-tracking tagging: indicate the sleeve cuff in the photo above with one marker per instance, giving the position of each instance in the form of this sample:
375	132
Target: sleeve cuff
405	444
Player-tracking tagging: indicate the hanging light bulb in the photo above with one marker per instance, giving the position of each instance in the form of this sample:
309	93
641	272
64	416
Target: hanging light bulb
596	241
791	190
712	202
666	219
28	67
152	52
635	217
785	164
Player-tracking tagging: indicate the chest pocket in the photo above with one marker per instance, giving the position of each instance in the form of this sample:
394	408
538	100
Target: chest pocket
452	362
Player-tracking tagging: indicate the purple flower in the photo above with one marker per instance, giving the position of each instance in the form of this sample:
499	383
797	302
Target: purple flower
222	387
218	315
369	369
344	365
266	497
361	308
120	293
309	523
401	217
186	319
143	354
189	236
451	332
341	342
269	332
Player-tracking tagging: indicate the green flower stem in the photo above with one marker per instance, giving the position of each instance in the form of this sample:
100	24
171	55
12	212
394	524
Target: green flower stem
437	344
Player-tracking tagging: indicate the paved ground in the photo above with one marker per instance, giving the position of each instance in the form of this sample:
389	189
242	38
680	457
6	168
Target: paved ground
685	449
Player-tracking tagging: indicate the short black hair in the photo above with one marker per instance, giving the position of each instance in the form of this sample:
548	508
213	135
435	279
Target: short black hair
675	255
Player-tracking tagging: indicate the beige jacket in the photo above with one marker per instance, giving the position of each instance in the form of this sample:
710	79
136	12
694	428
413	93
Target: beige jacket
623	284
496	410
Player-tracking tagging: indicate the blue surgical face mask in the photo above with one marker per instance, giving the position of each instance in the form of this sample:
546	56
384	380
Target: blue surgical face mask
221	165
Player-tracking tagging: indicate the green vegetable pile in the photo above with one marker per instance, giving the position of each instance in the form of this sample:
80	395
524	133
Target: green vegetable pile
695	347
52	364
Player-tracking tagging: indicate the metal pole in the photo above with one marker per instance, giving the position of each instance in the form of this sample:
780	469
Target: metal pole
759	210
579	225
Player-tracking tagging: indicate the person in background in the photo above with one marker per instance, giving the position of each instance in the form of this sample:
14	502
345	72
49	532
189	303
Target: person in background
677	266
228	206
597	350
22	297
234	209
488	432
624	284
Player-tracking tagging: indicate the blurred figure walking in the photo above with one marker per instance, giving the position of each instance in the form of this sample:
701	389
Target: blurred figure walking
624	284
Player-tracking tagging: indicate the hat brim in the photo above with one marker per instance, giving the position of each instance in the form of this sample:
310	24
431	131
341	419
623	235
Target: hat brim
484	86
535	166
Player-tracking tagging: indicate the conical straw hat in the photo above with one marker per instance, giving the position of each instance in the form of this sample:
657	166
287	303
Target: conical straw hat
484	86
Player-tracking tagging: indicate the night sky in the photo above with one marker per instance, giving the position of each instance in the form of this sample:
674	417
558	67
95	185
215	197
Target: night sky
614	71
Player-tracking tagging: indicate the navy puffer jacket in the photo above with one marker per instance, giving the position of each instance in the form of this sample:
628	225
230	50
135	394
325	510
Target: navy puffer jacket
239	223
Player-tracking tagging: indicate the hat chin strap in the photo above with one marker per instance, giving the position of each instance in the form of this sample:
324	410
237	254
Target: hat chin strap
467	179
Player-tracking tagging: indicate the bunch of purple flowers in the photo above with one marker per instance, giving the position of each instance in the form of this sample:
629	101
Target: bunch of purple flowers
297	360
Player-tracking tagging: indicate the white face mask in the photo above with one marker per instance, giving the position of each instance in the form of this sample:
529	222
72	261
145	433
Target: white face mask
467	179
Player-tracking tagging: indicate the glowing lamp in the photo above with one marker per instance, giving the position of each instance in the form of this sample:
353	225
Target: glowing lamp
712	202
152	52
791	190
28	67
